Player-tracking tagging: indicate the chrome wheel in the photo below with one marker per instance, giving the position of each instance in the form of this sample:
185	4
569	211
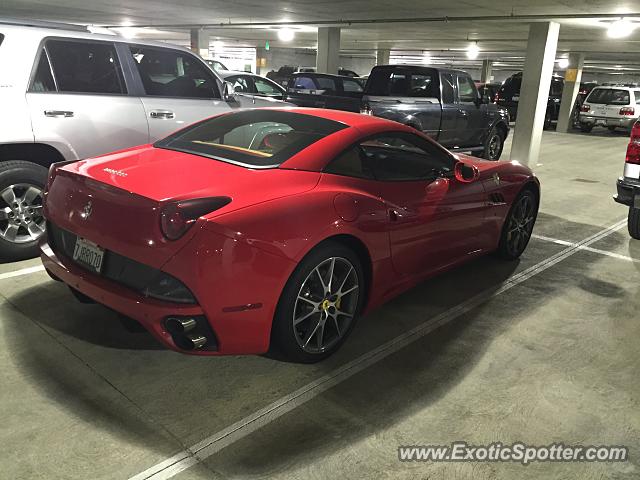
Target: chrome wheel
520	225
21	216
326	304
495	146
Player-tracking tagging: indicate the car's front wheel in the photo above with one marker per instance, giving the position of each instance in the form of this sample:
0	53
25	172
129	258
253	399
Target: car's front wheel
319	304
493	144
586	127
21	204
518	225
633	222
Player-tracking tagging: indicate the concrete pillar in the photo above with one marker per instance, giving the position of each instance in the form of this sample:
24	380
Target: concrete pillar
486	75
382	56
200	42
328	56
572	78
534	91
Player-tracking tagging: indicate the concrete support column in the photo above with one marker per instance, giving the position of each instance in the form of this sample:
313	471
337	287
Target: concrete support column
328	56
486	75
200	42
534	91
382	56
572	78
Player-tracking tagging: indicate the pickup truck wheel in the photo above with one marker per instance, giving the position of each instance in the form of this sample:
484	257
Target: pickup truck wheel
493	144
586	127
21	202
633	222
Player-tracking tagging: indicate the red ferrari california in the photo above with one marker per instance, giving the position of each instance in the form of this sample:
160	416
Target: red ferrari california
276	227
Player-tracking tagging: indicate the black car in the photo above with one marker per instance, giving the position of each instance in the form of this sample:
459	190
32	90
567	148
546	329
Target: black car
283	74
488	90
509	96
322	90
249	83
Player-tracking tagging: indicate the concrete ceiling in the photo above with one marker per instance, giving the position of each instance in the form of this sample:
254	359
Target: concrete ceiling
500	27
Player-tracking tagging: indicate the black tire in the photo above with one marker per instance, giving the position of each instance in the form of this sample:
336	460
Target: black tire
633	222
285	338
547	120
12	173
611	128
512	245
586	127
494	144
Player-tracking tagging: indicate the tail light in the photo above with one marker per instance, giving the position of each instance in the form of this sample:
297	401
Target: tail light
585	107
496	98
627	111
633	150
366	109
177	217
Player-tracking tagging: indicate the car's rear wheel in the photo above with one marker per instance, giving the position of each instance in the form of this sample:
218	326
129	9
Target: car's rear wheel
493	144
586	127
633	222
319	304
22	222
518	226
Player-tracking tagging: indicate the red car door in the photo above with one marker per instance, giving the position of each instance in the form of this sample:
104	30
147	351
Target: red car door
434	220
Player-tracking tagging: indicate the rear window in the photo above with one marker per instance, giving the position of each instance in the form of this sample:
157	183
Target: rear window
402	82
609	96
252	138
511	86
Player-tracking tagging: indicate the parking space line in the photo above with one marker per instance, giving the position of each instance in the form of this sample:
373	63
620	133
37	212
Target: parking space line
587	248
24	271
239	430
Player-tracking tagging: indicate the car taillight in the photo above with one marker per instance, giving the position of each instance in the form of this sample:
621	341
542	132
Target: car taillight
633	150
366	109
177	217
585	107
496	98
53	171
630	111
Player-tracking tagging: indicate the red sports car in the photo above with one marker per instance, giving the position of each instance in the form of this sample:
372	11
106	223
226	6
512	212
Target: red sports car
276	227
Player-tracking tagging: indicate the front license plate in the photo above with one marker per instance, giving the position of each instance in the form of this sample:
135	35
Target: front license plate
88	254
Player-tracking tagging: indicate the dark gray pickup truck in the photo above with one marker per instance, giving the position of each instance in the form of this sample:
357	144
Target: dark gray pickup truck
442	103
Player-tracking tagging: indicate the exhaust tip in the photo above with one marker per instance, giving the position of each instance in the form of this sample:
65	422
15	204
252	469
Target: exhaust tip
178	326
194	342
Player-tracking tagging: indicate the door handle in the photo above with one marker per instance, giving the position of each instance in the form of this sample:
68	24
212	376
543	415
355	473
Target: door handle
161	114
58	113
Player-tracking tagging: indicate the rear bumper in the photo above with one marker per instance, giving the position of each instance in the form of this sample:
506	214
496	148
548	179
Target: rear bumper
607	121
628	192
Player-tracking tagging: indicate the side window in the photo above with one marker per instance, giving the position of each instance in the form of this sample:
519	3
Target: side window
172	73
239	83
86	67
350	164
399	84
264	87
43	79
448	96
556	87
398	157
637	94
351	86
423	85
466	90
326	84
302	83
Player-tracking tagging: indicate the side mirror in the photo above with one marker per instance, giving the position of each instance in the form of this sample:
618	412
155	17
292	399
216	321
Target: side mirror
466	173
228	92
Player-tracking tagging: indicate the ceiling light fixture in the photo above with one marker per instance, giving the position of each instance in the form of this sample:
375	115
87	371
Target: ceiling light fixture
473	51
621	28
563	63
286	34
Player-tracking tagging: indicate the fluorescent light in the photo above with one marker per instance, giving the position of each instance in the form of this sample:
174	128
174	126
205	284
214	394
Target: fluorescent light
620	28
563	63
473	51
286	34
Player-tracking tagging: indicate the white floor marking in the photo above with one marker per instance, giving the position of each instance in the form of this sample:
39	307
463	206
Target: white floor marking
216	442
586	249
24	271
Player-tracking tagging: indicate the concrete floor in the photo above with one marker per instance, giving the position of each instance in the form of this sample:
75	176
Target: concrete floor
552	358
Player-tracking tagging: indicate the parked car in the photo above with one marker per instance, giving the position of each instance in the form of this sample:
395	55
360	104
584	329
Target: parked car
442	103
245	83
488	90
276	227
73	94
628	185
321	90
611	107
216	65
585	89
285	72
509	96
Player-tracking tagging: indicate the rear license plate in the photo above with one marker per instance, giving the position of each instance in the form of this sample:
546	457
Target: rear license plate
88	254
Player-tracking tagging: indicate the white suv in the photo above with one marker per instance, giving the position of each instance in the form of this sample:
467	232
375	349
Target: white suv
69	94
611	107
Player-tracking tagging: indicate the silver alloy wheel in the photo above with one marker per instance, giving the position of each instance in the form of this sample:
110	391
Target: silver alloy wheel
520	225
21	216
494	146
326	304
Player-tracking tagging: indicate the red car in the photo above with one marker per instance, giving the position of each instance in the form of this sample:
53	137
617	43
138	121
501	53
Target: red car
276	227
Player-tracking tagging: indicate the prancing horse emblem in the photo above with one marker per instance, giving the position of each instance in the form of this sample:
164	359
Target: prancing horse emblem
496	179
86	211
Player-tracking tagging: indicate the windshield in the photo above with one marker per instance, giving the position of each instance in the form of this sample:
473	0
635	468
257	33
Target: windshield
609	96
252	138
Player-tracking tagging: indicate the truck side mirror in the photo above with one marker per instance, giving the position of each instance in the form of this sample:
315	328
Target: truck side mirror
228	92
